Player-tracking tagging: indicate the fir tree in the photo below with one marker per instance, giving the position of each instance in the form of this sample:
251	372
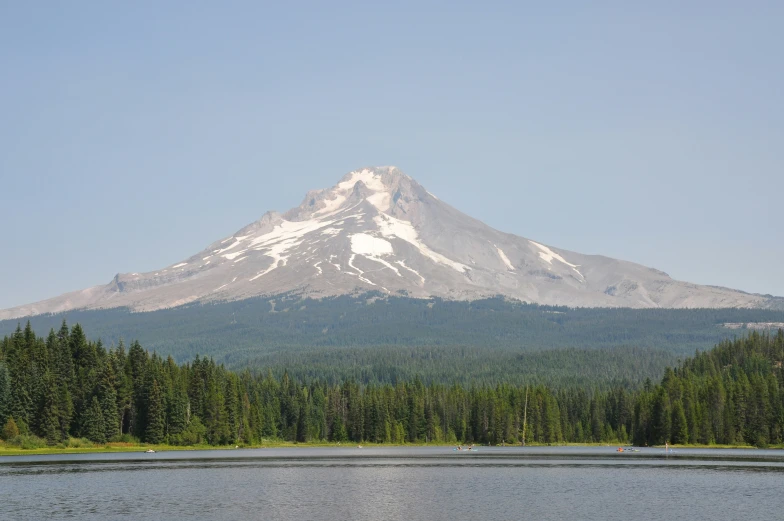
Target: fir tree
178	412
65	409
680	430
47	419
5	393
661	418
108	401
156	421
64	357
303	418
94	423
22	408
215	420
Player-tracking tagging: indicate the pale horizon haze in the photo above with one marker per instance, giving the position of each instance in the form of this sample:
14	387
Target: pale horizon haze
135	134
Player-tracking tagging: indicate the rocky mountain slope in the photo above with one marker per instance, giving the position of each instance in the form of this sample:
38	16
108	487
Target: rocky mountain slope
378	229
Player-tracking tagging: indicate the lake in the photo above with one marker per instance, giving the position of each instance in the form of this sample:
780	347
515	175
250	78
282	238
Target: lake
407	483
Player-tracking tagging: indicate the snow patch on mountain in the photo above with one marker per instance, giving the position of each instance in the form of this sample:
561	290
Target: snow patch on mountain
395	228
365	244
412	270
359	271
232	256
380	200
369	178
384	263
285	236
334	199
547	255
331	205
372	248
504	258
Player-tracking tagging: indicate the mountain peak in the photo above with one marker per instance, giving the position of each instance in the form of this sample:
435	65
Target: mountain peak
378	229
380	186
375	171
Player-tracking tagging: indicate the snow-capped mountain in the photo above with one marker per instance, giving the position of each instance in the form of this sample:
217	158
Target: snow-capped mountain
378	229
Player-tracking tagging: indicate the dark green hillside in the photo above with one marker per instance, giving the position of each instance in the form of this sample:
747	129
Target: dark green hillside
388	339
568	367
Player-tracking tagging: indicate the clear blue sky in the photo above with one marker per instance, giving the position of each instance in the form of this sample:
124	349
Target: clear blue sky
135	133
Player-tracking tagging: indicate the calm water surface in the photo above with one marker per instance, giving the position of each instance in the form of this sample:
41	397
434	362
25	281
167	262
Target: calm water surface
397	483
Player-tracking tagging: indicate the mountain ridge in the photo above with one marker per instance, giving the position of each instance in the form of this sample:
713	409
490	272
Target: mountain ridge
378	229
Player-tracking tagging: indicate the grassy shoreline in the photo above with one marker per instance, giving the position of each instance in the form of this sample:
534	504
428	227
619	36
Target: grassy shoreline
6	450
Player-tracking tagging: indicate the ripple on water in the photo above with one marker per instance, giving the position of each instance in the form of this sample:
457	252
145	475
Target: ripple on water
397	483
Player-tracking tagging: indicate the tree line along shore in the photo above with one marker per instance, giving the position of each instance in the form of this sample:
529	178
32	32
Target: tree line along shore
65	392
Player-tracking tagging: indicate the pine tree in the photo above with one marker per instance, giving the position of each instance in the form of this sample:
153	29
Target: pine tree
303	419
64	357
552	420
5	393
93	424
65	410
759	420
178	412
47	418
108	400
65	377
156	420
232	409
680	430
123	386
661	418
597	421
22	408
197	387
338	431
137	372
216	419
642	420
82	351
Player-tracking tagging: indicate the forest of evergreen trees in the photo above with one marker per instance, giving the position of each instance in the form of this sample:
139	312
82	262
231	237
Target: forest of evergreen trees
65	386
306	335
